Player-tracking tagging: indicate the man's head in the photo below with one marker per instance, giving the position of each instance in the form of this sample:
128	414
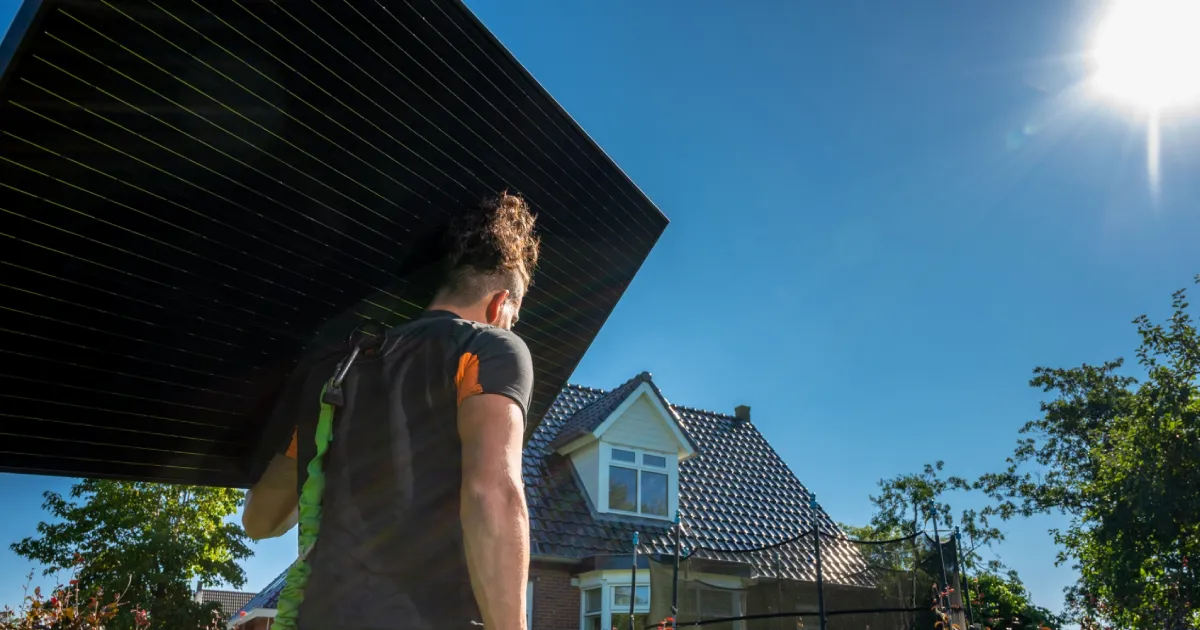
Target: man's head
491	254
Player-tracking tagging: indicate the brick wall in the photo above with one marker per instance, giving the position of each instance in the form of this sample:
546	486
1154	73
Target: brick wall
555	601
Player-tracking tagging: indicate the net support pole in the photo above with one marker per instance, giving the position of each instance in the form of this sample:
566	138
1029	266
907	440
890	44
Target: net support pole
964	583
943	596
812	503
633	581
675	577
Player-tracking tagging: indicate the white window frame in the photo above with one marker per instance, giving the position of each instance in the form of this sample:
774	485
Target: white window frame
608	592
529	604
602	614
671	470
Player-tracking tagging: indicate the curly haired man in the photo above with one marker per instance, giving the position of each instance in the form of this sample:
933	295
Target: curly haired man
416	486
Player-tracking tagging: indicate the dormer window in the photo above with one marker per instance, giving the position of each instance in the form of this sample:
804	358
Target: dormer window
637	481
626	447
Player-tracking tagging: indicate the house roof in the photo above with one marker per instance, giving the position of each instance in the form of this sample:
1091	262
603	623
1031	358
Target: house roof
269	596
735	494
592	415
177	239
230	601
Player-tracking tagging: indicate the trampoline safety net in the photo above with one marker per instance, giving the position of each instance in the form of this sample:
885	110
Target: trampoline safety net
862	585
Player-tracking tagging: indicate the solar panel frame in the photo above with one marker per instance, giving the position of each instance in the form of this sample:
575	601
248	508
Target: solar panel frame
194	193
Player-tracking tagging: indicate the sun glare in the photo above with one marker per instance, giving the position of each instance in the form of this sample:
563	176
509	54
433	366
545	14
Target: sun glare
1147	53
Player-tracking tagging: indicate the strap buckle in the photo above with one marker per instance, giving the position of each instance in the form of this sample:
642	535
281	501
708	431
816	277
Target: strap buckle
361	337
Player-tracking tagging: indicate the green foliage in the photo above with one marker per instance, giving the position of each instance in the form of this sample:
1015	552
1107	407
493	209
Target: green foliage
149	541
998	598
1121	458
68	607
1001	601
903	504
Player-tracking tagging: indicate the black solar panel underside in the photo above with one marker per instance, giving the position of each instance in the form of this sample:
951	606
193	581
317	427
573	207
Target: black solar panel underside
189	191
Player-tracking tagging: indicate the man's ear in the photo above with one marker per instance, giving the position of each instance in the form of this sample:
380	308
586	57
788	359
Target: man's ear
495	307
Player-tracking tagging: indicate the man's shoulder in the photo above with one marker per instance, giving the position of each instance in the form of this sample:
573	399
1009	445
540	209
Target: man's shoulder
482	337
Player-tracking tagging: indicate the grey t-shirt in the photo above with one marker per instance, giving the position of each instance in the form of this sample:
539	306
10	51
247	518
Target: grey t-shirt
390	549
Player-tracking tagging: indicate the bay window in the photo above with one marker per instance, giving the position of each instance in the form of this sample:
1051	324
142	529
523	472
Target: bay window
606	606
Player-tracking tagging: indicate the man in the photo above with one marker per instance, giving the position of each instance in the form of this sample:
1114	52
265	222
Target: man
423	521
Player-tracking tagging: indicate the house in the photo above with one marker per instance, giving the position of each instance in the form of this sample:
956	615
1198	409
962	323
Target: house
230	602
605	464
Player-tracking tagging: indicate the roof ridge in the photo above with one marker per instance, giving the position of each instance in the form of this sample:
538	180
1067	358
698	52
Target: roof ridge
589	388
707	412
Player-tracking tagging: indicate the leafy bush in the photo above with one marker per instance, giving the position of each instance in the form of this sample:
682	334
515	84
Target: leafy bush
70	607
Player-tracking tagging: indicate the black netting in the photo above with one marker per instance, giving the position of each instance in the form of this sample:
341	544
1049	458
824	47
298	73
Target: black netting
888	585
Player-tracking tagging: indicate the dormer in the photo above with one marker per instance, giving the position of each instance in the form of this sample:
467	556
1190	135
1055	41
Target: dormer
626	447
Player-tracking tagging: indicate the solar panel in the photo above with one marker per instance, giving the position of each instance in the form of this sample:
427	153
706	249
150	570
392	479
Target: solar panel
192	192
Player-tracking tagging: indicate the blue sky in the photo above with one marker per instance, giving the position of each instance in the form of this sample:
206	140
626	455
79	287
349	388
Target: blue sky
884	215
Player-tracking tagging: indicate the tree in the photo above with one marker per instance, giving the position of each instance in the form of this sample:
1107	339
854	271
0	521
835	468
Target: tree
997	596
149	541
903	506
1120	456
1000	600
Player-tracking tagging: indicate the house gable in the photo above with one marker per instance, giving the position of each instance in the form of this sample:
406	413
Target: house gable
641	425
636	417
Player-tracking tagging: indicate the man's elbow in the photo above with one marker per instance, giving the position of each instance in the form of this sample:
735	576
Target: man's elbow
258	522
254	524
255	530
501	498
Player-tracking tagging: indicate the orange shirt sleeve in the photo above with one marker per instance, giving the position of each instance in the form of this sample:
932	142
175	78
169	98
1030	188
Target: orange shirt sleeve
293	446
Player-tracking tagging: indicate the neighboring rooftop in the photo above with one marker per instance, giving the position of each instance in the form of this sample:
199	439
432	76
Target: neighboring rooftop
230	601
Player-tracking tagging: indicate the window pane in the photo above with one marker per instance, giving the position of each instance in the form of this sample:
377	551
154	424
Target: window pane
591	600
619	455
643	597
622	489
657	461
621	598
654	494
591	623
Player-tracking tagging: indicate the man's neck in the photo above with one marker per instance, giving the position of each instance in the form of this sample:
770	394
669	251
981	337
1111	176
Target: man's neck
469	313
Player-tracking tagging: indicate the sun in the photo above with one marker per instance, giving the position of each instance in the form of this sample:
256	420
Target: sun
1147	54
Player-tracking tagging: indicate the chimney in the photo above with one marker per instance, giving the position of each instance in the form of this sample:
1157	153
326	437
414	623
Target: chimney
742	414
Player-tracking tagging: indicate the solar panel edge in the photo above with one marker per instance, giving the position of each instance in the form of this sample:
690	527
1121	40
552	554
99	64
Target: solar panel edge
14	43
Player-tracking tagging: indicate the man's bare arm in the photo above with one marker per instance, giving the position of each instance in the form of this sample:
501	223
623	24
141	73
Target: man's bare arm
495	518
272	501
